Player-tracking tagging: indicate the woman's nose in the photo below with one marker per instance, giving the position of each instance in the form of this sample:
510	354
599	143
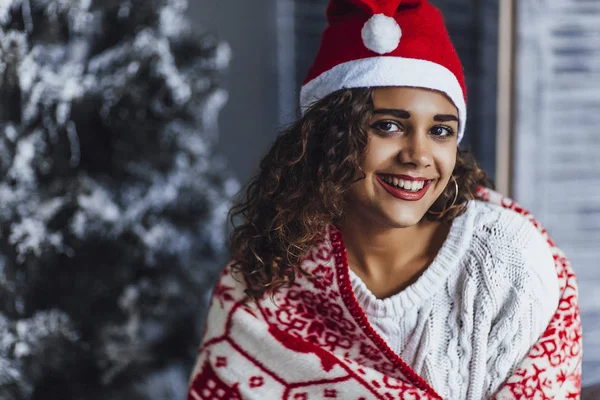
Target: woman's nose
416	150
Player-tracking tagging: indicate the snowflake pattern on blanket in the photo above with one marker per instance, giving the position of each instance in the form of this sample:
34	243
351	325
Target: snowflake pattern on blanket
313	341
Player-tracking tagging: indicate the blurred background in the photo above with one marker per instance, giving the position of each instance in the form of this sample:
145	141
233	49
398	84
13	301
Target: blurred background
127	126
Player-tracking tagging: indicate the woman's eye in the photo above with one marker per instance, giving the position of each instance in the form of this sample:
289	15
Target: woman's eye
442	131
387	126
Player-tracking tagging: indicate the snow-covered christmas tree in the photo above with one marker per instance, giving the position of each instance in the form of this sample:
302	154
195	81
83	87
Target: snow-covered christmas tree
112	203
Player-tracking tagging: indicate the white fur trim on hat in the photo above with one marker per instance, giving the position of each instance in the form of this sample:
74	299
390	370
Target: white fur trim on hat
387	71
381	34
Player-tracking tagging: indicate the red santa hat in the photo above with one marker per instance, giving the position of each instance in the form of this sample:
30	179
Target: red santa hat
371	43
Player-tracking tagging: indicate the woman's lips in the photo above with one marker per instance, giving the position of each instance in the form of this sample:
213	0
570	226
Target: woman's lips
405	194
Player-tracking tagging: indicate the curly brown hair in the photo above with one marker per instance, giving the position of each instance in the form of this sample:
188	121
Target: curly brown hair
301	186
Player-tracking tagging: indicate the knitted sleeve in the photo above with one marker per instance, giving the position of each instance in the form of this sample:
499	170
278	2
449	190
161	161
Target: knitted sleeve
524	294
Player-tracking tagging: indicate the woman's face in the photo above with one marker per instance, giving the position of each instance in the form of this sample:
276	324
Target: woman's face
410	156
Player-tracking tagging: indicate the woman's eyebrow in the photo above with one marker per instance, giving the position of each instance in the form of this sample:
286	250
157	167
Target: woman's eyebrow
398	113
403	114
445	118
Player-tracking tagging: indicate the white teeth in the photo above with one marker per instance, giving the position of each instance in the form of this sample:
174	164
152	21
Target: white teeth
413	186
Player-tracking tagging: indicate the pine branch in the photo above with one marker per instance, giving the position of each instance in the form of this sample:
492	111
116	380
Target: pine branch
112	201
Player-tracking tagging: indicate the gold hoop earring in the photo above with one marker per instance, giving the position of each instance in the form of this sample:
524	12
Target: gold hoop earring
440	213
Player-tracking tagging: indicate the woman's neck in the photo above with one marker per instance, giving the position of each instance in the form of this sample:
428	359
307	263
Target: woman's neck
390	259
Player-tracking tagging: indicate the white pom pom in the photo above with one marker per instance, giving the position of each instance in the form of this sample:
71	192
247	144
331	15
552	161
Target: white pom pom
381	34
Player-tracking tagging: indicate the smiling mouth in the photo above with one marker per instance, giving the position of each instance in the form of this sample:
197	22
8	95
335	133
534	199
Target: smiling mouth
411	190
408	185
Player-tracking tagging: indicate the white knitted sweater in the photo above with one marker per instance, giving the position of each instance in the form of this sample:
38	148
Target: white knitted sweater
477	309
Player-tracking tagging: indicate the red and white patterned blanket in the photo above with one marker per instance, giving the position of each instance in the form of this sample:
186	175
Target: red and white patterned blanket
314	342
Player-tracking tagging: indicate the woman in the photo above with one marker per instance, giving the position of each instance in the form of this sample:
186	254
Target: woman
371	261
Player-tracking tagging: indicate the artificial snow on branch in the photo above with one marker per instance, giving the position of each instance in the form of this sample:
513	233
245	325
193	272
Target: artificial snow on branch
112	201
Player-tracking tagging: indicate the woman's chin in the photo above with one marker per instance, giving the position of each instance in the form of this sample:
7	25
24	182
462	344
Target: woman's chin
405	219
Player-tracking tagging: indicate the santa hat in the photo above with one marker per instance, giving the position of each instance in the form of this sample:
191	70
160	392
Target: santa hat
371	43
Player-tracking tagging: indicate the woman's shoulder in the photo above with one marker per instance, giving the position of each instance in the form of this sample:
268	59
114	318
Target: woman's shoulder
512	254
505	227
230	285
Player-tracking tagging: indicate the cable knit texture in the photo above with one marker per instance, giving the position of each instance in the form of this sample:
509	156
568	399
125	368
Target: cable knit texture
312	340
477	310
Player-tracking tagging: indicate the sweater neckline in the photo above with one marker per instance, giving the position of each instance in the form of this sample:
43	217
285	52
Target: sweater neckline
430	281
